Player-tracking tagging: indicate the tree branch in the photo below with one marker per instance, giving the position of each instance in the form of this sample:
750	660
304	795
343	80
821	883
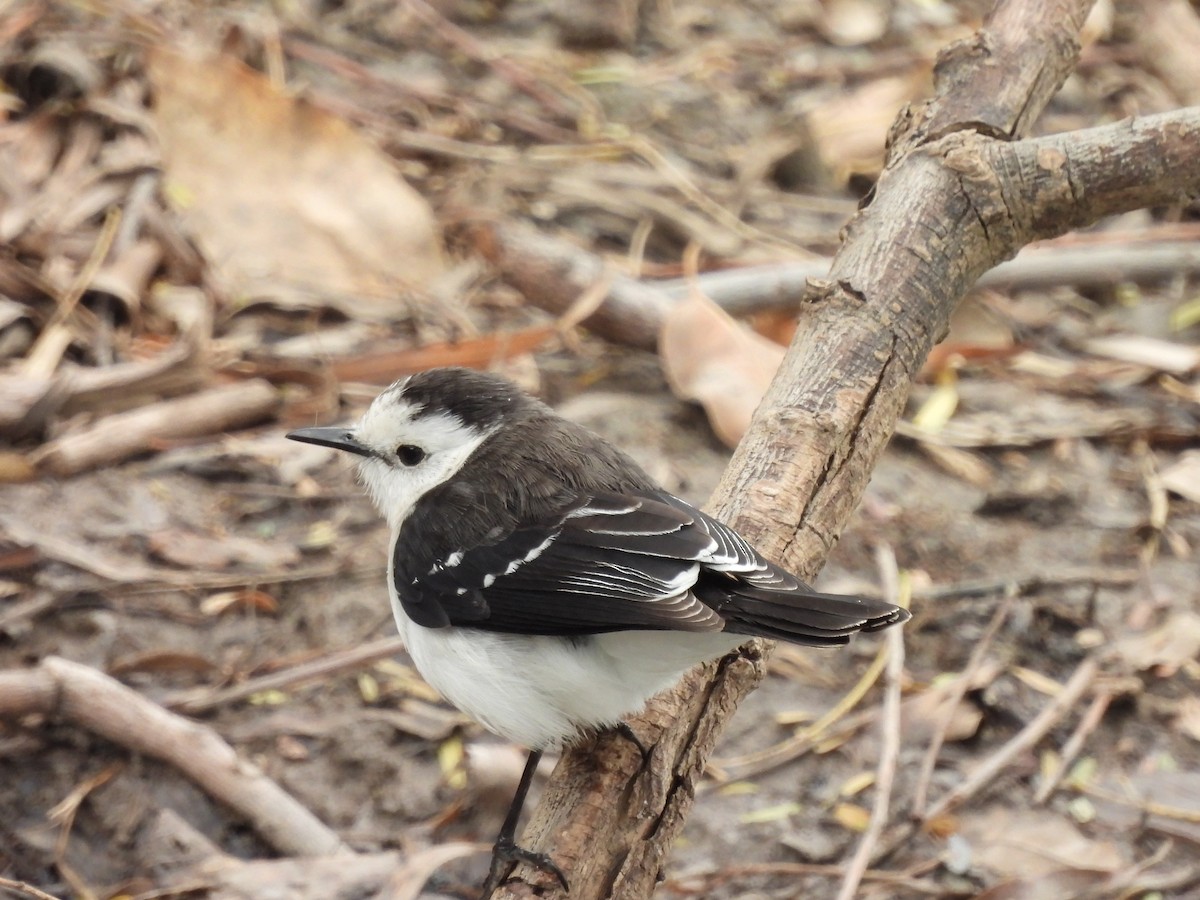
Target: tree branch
956	199
104	706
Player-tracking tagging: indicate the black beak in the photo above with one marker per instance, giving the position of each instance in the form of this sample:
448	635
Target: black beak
339	438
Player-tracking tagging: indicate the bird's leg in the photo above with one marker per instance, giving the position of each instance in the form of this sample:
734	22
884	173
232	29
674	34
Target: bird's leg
506	854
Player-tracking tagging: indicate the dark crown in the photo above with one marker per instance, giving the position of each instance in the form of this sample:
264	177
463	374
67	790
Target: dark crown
478	399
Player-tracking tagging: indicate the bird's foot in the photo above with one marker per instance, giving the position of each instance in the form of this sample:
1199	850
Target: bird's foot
506	854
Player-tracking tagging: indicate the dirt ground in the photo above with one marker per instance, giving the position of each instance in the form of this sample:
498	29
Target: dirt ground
1043	503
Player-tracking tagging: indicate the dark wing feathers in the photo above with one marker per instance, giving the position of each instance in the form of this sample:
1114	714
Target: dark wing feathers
619	561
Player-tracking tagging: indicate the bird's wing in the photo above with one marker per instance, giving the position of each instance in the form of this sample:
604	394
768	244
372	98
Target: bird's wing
608	562
613	562
756	597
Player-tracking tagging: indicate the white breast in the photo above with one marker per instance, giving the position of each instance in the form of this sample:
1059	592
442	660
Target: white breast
542	691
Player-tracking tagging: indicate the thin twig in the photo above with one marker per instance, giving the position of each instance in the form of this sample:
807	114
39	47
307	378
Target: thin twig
957	691
1147	807
1090	722
129	572
780	285
24	887
126	434
44	356
889	750
1029	584
1023	741
801	742
194	702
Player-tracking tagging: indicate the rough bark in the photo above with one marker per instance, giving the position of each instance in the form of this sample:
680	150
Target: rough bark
958	197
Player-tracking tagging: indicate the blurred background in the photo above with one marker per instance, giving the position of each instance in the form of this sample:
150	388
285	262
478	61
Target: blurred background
221	221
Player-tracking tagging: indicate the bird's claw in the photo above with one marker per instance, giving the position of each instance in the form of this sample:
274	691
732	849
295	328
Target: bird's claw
506	854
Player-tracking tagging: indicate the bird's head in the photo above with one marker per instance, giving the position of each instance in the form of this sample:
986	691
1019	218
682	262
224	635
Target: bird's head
419	432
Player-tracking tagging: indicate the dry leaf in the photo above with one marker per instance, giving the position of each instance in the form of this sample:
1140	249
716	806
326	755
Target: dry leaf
1164	649
368	687
1032	843
939	406
851	127
718	362
1187	721
1183	476
927	711
770	813
288	202
247	599
852	817
856	784
451	754
849	23
1050	886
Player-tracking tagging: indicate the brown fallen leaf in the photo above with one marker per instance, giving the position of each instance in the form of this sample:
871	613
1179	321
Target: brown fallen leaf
1164	649
1033	843
711	358
246	599
1187	720
287	201
1183	476
852	817
851	127
926	712
1050	886
850	23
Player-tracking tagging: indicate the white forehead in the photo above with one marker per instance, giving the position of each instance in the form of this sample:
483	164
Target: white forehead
391	420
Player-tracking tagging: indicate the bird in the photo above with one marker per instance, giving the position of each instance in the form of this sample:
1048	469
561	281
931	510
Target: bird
547	586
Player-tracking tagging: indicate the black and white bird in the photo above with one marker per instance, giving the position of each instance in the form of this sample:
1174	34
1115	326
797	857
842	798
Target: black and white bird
542	582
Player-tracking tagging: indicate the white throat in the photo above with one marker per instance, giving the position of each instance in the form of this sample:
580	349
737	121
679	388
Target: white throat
395	488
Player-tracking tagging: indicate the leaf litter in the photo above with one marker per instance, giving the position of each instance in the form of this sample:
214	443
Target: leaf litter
276	216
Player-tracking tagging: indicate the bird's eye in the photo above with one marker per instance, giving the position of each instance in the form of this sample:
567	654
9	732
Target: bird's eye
410	454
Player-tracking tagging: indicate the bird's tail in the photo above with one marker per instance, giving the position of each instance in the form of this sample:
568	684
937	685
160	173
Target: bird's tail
796	613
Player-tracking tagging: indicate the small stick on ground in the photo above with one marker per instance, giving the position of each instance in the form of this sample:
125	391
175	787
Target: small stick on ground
889	750
752	289
1090	722
957	691
25	889
1030	584
204	700
106	707
1023	741
120	436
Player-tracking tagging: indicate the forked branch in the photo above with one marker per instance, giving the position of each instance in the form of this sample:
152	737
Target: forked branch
961	193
